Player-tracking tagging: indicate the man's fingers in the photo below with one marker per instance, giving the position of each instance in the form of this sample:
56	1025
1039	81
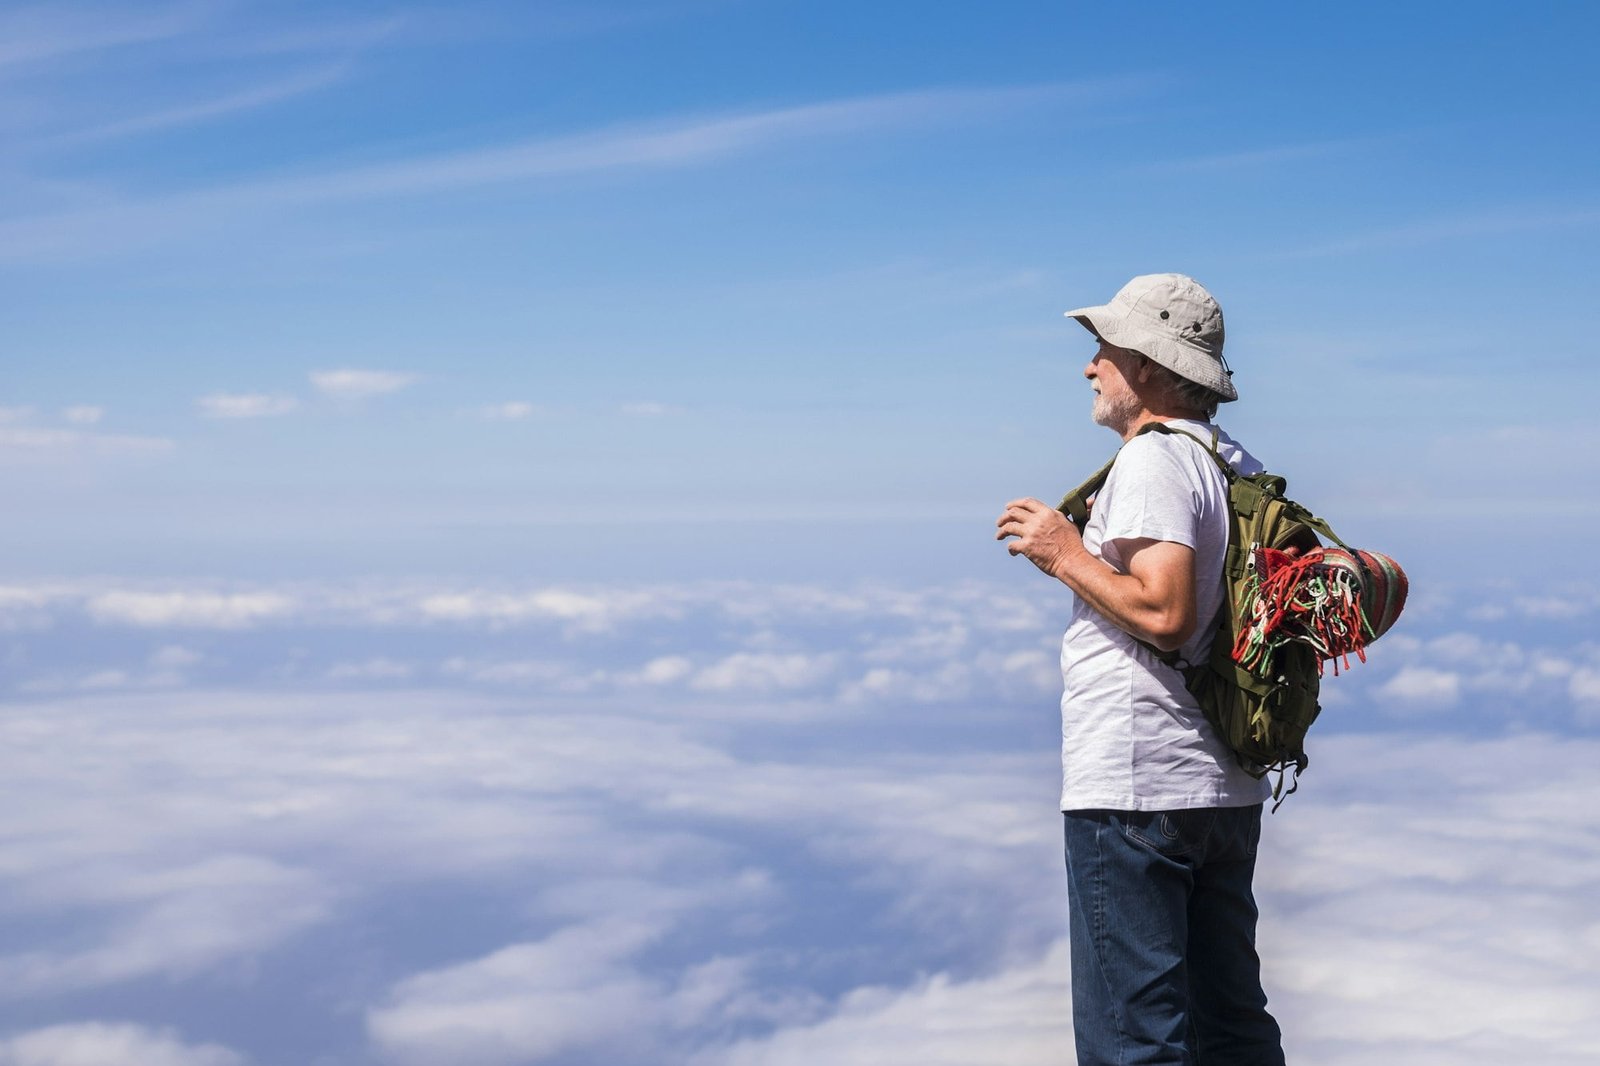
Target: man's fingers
1017	510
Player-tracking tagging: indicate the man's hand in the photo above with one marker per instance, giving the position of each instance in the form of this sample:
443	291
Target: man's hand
1045	535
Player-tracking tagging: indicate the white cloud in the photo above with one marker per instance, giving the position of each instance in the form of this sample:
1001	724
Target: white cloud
513	411
204	610
83	414
110	1044
1020	1016
665	670
629	147
375	669
175	657
30	444
1452	928
24	607
1559	608
649	409
757	672
245	405
677	142
210	108
36	33
940	683
539	673
164	668
523	1003
591	611
1252	158
1516	218
1422	688
1584	686
174	834
177	921
359	384
15	414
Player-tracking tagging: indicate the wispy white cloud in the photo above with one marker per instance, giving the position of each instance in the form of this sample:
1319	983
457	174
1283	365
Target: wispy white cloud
588	610
758	672
1584	688
549	674
211	108
665	670
1514	219
178	921
23	444
110	1044
244	405
1248	158
522	1003
33	606
1422	688
83	414
671	143
649	409
1020	1016
206	610
709	646
45	32
349	384
379	668
511	411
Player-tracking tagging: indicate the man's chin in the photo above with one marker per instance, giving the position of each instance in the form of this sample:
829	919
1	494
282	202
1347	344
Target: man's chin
1102	417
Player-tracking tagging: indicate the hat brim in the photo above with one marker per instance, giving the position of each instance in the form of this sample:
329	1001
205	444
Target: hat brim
1188	362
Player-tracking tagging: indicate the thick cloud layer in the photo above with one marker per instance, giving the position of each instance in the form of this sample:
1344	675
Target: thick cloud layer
718	824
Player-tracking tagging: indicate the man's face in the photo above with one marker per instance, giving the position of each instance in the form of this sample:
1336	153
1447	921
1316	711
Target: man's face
1116	405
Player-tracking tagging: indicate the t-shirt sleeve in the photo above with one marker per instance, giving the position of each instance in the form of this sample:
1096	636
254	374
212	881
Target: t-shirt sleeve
1153	494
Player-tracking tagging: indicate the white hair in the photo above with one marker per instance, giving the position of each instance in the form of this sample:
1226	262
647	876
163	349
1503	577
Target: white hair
1185	393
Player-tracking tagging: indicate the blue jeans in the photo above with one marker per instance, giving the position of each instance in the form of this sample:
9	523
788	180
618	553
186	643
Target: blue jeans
1164	965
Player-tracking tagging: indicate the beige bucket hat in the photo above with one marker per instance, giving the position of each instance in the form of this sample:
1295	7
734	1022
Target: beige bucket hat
1173	320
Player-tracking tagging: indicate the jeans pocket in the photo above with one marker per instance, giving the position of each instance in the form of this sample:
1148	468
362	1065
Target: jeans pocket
1173	833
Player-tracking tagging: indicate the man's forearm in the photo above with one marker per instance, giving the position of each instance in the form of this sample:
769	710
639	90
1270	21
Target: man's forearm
1146	606
1153	600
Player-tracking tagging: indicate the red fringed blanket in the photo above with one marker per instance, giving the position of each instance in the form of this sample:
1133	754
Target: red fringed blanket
1335	600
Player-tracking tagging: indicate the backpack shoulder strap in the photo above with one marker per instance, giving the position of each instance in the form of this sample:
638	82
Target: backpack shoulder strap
1305	517
1075	504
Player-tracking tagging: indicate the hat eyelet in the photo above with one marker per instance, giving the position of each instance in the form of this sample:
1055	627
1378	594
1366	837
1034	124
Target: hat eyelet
1166	314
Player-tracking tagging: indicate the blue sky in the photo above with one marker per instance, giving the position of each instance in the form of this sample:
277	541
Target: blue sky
498	564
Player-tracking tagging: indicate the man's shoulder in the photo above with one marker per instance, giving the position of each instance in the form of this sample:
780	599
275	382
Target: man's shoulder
1192	440
1182	449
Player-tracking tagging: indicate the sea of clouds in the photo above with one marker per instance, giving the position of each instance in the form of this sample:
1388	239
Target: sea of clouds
428	823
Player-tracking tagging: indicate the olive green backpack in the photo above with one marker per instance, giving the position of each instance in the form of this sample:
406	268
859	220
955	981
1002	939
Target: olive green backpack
1261	711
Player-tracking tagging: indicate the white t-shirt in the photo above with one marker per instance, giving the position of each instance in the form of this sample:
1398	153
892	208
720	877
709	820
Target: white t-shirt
1132	736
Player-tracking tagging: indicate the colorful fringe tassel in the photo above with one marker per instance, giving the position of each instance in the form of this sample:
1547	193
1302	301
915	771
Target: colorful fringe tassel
1314	598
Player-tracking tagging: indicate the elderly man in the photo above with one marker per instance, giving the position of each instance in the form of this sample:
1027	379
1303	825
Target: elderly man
1161	822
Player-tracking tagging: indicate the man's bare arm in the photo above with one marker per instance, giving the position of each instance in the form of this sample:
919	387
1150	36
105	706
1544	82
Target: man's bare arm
1154	600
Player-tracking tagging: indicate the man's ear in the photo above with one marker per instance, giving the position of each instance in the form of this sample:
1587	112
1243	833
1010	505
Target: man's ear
1146	369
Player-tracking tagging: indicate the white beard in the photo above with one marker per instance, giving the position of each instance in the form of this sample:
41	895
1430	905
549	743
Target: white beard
1115	413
